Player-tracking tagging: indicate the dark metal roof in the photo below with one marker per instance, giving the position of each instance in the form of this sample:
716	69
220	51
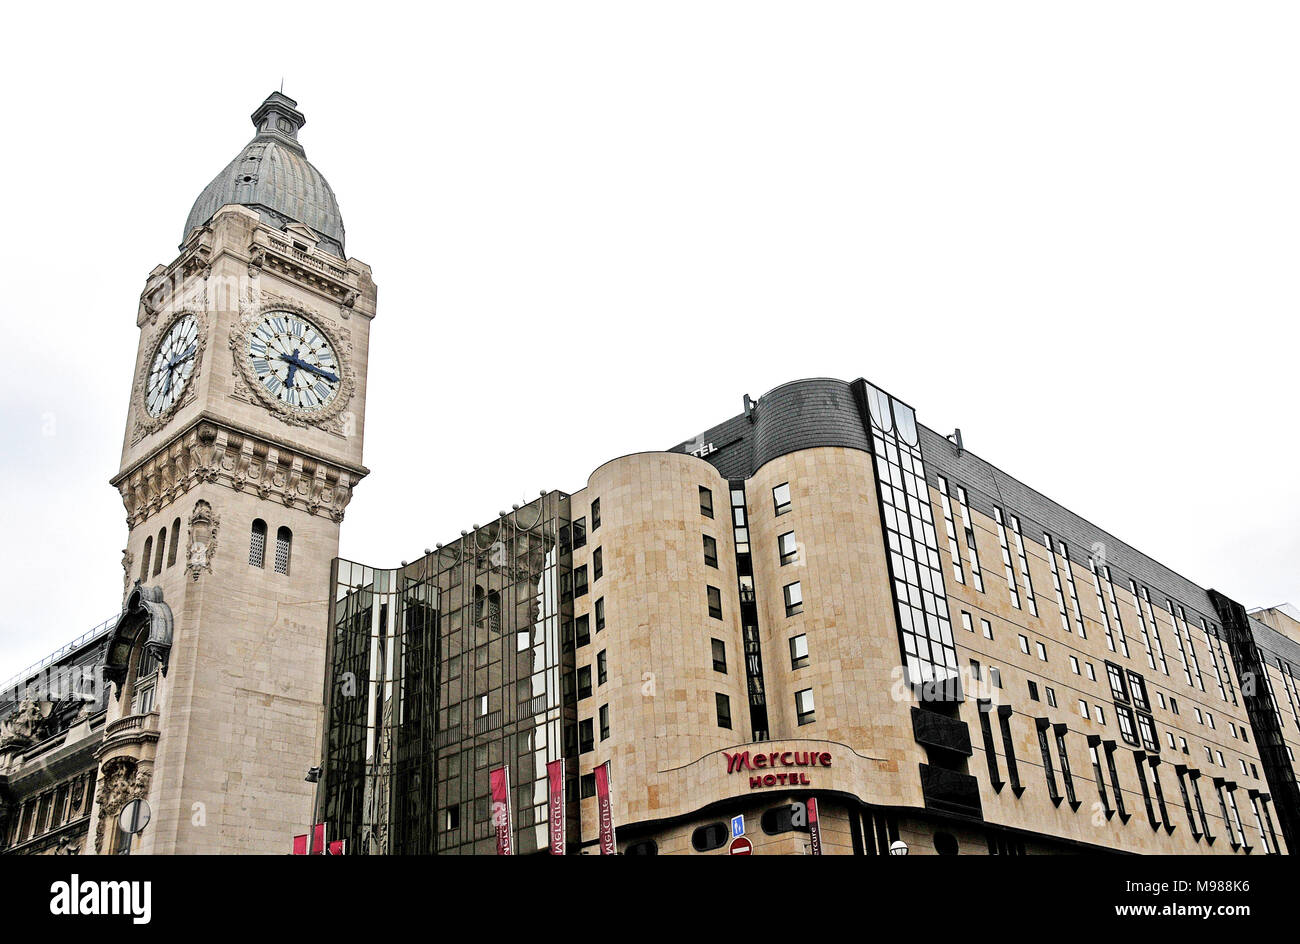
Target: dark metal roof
273	176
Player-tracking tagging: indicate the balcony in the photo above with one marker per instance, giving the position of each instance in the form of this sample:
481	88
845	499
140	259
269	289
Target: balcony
134	735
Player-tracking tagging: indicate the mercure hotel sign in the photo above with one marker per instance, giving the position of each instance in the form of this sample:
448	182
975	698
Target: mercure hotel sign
776	768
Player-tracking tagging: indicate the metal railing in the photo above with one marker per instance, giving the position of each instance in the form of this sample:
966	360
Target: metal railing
21	678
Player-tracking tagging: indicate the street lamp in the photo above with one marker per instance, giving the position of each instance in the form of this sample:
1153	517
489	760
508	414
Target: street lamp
898	847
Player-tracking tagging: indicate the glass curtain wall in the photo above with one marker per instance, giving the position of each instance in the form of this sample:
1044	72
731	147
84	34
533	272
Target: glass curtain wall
441	670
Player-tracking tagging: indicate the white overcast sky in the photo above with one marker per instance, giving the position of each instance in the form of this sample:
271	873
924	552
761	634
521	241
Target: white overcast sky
1069	229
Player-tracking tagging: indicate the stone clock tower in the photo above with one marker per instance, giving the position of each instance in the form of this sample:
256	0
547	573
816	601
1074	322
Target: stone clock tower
242	447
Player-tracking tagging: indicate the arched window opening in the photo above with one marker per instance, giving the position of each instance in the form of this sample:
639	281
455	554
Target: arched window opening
257	544
283	544
144	561
162	546
176	539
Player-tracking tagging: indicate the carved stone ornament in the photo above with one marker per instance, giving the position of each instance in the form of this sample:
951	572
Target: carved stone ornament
128	568
121	780
20	728
202	543
144	423
210	453
340	339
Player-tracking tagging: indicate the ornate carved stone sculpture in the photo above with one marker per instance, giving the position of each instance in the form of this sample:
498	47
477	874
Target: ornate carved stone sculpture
203	540
121	780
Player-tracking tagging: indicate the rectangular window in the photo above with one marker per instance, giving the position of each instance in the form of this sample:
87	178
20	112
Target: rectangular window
602	674
1051	696
1098	714
788	549
990	749
793	598
706	502
580	581
1041	650
1024	564
781	498
1024	645
972	550
1124	718
1101	604
1097	775
1049	771
798	651
1074	665
1114	606
1033	690
604	722
584	682
1214	662
600	614
582	630
1012	589
1180	620
739	520
987	628
724	710
587	786
966	622
715	602
719	655
579	533
586	736
1056	582
710	551
950	525
597	563
1064	754
804	708
1083	710
1009	746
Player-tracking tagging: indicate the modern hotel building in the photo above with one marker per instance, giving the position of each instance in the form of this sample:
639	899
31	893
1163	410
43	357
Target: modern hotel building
817	598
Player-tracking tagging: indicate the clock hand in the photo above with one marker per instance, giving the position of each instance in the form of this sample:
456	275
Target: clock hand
320	372
189	352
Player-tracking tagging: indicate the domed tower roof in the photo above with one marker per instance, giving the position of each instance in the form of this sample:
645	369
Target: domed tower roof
273	176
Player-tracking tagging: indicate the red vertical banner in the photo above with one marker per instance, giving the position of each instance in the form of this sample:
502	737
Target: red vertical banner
555	798
814	826
499	781
300	844
318	839
605	811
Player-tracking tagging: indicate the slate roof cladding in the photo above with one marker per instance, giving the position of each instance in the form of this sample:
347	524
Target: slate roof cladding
273	176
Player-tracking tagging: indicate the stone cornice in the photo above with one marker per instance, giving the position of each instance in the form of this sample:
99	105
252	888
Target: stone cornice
213	449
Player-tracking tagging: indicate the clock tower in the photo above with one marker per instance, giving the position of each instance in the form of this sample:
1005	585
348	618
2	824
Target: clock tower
242	447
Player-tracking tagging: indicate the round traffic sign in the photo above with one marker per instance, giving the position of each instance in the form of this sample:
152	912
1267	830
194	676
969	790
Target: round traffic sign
741	846
134	817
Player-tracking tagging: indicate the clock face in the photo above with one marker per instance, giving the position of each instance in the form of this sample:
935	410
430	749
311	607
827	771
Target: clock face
172	365
294	361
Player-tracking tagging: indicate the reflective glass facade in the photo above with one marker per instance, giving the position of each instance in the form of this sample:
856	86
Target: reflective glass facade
443	669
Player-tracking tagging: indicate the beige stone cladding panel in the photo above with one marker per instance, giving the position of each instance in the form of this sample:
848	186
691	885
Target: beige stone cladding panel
1035	810
662	685
242	722
848	614
227	291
